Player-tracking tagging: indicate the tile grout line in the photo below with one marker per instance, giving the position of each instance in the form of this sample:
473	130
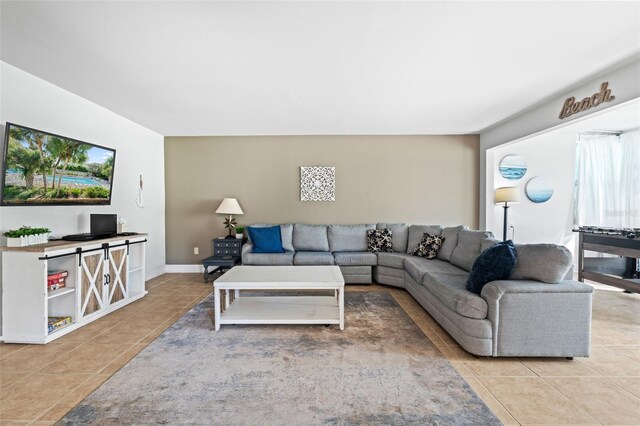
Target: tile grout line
61	399
569	399
624	391
495	397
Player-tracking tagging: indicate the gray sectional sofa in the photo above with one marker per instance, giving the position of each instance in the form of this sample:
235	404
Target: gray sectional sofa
522	316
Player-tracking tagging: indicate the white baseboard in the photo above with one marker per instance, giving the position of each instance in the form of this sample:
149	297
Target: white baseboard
173	269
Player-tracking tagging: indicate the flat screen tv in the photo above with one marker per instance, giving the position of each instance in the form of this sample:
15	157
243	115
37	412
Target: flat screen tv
40	168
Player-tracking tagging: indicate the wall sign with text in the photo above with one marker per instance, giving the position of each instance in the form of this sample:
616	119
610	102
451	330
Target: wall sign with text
571	107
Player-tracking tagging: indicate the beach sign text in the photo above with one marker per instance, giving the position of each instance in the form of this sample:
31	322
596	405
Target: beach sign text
571	107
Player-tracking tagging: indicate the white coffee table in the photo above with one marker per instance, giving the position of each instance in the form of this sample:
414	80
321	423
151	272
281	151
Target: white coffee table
280	309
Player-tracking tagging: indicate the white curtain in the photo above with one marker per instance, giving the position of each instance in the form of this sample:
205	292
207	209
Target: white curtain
608	180
630	179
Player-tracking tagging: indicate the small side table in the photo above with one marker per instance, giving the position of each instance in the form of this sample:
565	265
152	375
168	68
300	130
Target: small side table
227	253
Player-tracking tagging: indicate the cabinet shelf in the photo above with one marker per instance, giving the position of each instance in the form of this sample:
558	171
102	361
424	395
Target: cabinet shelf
60	292
60	329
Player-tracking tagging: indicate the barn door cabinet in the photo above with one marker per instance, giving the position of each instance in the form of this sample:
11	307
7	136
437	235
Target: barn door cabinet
103	276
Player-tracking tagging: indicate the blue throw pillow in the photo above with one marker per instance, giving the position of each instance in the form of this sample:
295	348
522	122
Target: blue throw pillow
266	239
495	263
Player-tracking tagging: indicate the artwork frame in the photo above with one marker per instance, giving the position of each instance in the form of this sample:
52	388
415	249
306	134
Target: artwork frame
317	183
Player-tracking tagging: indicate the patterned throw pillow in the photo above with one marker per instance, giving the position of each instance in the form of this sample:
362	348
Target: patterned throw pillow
379	240
428	246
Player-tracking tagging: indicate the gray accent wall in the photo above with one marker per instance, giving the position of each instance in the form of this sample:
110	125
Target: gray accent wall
412	179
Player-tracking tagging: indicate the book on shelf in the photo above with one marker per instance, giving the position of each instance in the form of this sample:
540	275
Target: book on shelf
52	275
55	281
55	323
56	284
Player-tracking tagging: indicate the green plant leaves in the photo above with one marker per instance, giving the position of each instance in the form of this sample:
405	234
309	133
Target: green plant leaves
23	231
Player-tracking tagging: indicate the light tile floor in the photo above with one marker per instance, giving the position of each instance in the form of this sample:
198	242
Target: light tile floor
39	384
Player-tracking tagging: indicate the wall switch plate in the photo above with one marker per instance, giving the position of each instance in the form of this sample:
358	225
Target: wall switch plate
196	250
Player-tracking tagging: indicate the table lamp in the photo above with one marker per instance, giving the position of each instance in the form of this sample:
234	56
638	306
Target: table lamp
506	195
230	206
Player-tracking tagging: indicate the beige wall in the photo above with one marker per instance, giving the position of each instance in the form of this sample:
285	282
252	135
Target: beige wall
412	179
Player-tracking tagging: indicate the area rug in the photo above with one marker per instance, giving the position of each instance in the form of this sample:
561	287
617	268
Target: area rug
380	370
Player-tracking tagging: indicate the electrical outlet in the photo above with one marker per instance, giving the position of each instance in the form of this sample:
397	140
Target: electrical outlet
196	250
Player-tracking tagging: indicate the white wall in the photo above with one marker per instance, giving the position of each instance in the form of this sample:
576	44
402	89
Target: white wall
624	83
551	156
30	101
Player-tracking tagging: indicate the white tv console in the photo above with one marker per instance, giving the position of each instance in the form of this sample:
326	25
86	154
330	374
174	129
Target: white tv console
103	276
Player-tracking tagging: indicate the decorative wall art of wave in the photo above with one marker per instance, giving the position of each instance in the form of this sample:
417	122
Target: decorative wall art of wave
513	167
539	190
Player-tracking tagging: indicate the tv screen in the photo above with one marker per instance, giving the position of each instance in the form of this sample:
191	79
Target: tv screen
41	168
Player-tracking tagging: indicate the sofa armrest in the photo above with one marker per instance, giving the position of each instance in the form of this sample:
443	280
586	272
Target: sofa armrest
246	248
496	289
532	318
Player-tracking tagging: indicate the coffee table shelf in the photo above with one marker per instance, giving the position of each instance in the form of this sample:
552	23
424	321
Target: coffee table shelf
282	310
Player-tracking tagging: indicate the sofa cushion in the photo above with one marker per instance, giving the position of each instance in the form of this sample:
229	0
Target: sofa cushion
548	263
417	231
266	239
355	258
399	235
310	237
286	233
392	260
418	266
379	240
450	235
428	246
267	258
495	263
313	258
468	247
452	292
348	237
488	242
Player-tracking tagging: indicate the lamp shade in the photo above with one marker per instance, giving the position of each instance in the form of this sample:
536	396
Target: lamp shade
229	206
507	194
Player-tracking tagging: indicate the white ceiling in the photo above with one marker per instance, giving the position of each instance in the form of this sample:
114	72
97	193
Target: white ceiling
282	68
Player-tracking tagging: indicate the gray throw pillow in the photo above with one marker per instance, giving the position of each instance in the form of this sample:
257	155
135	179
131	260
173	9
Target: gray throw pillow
468	248
450	235
548	263
488	242
399	235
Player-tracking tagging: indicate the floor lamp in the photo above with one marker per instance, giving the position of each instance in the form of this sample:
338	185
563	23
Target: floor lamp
506	195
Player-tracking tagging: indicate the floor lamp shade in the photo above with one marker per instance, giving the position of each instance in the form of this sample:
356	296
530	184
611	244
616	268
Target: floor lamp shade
506	195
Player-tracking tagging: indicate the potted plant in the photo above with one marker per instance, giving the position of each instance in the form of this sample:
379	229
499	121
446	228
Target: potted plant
26	236
239	232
